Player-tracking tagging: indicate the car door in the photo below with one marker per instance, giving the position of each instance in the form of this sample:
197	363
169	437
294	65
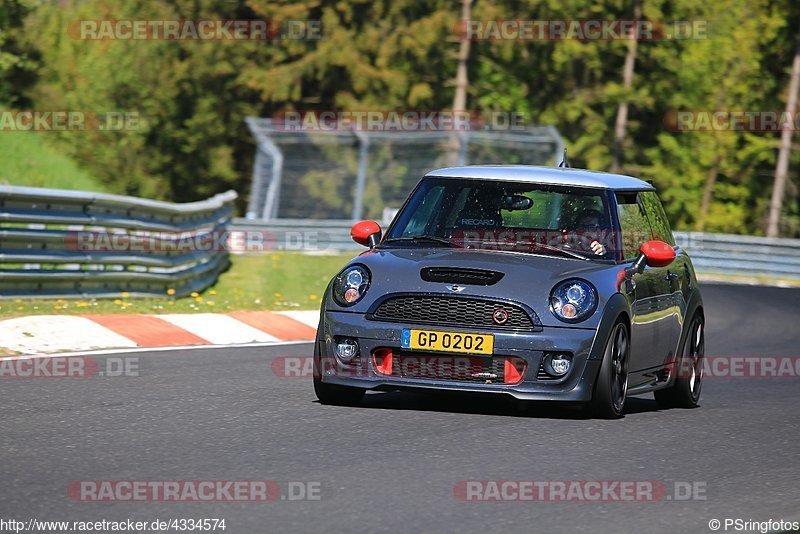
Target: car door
635	230
670	280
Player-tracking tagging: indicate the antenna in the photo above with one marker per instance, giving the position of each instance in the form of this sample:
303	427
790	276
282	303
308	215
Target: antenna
564	163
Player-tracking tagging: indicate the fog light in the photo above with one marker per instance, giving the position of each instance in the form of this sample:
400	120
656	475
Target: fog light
558	364
346	349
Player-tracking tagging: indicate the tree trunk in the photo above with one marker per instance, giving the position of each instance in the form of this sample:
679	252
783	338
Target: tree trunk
711	179
620	125
462	82
782	168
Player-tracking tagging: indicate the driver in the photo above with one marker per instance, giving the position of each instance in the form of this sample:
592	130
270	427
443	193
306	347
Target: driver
591	221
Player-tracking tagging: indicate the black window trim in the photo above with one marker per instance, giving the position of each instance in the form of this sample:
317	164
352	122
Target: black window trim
616	221
650	218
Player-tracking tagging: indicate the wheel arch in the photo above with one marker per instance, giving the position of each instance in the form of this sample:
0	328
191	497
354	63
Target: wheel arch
615	309
694	305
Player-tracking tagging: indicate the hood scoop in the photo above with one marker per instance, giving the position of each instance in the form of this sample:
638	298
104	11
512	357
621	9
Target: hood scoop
459	275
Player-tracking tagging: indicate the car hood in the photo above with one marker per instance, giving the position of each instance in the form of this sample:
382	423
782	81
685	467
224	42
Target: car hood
527	278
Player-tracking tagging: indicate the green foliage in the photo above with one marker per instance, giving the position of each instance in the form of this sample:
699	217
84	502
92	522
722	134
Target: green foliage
29	160
193	96
191	141
18	59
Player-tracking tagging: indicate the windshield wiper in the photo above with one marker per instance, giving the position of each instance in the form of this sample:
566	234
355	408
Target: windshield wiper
420	239
563	251
546	247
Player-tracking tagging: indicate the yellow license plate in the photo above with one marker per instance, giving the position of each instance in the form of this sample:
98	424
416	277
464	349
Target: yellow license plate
436	340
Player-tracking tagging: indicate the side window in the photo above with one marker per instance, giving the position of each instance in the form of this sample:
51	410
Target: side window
633	224
657	217
422	215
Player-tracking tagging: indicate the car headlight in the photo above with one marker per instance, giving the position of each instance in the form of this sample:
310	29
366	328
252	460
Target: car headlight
350	285
573	300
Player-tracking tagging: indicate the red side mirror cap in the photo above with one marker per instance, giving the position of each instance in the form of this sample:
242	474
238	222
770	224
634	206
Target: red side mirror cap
366	233
657	253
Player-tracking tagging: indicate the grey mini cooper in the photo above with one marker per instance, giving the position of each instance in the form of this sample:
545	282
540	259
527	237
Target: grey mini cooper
535	282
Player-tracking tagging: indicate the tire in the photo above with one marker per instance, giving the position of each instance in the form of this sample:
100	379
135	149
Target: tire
685	392
337	395
611	387
332	394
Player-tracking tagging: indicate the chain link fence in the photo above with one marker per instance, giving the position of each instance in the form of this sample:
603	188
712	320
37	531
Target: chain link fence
352	175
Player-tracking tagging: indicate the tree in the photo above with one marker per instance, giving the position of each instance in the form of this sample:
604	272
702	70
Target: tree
19	61
782	168
462	80
627	77
708	178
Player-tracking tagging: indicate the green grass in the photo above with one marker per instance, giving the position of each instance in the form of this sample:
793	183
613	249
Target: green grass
29	159
279	281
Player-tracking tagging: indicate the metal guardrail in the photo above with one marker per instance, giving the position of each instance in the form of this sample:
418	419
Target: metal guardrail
711	254
59	243
740	255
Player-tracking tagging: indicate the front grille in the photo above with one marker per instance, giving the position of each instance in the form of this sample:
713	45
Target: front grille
453	311
458	368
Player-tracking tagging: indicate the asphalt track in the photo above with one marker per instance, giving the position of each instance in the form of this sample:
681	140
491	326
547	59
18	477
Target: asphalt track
391	465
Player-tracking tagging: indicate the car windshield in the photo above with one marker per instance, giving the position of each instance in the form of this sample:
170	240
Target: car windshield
508	216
